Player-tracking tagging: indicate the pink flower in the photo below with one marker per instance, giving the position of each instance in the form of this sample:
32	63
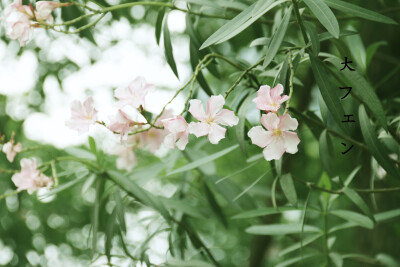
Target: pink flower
179	135
17	18
44	9
134	94
121	123
11	149
30	178
210	120
126	157
270	99
82	116
278	139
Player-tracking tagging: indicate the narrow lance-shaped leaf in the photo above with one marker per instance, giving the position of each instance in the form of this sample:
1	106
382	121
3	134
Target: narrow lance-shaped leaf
159	21
364	91
168	49
312	31
277	38
355	197
240	128
328	92
240	23
324	15
110	234
288	188
216	208
355	217
357	11
377	149
280	229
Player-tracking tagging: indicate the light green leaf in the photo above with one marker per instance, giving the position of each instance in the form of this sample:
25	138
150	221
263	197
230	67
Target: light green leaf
376	148
324	15
120	210
110	234
240	128
372	49
293	261
280	229
364	91
187	263
357	11
204	160
387	215
262	212
169	54
80	177
355	197
288	188
92	145
336	259
387	260
351	176
277	38
328	92
355	217
239	23
299	245
182	206
250	186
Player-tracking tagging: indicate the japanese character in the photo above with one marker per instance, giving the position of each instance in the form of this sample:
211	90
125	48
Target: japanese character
348	118
348	92
346	64
347	149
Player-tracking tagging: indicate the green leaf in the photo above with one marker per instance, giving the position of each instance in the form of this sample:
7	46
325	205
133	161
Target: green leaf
262	212
250	186
159	21
387	260
100	182
240	128
387	215
336	259
328	92
215	207
324	15
325	151
140	194
187	263
110	234
92	145
239	23
351	176
273	193
357	11
355	217
281	229
299	245
355	197
293	261
372	49
277	38
120	210
179	205
168	49
312	32
377	149
364	91
203	161
288	188
80	177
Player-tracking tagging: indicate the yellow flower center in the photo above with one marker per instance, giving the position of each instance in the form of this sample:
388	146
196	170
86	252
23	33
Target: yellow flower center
209	120
277	132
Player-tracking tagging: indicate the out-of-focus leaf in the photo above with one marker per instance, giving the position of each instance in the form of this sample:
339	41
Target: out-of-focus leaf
100	182
372	49
80	177
290	262
120	210
288	188
312	32
355	217
355	197
328	92
325	151
139	193
273	193
110	234
181	206
187	263
351	176
240	128
336	259
364	91
281	229
387	215
358	11
159	21
239	23
262	212
204	160
387	260
92	145
277	38
378	150
324	15
80	153
215	207
250	186
299	245
169	54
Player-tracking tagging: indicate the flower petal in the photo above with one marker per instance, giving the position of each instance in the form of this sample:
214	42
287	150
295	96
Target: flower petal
197	110
263	98
214	104
287	123
170	140
199	128
274	150
226	117
175	124
183	141
291	140
276	92
216	133
270	121
259	136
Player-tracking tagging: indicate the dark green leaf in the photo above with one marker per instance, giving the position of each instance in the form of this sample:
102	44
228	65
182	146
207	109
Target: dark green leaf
376	148
159	21
169	55
312	32
355	197
299	245
120	210
293	261
262	212
215	207
324	15
110	234
240	128
288	188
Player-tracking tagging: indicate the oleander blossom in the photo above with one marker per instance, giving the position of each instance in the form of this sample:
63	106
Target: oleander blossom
11	149
121	123
82	116
30	178
210	121
178	132
270	99
133	95
278	138
126	159
44	9
17	19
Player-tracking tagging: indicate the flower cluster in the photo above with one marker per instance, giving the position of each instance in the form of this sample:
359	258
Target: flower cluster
278	138
167	128
20	19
